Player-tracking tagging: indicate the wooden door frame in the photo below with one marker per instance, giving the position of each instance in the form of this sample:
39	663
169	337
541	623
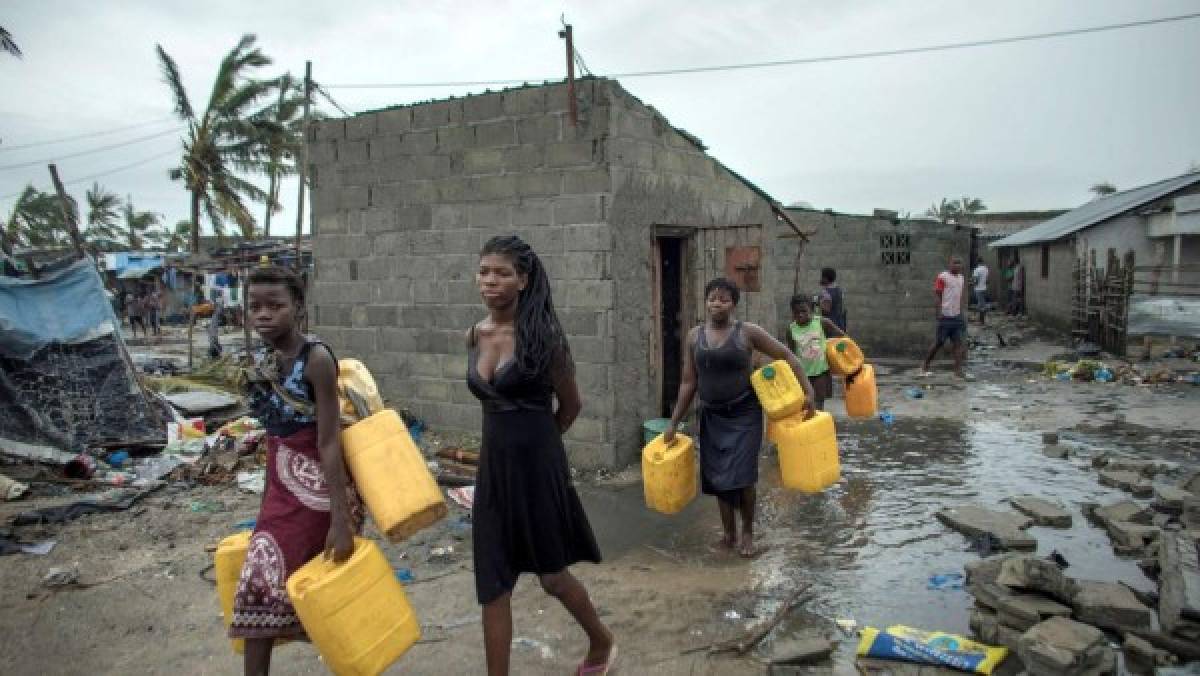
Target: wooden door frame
686	236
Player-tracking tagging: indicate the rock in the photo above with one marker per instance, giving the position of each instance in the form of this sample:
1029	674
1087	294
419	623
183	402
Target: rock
1005	527
1191	482
1023	611
987	569
1043	512
988	629
1050	438
1149	567
1126	510
1101	460
1064	647
1191	512
1143	658
989	594
1056	452
1147	468
1160	520
1033	574
1131	539
1170	499
1110	606
868	665
801	651
1130	482
1179	586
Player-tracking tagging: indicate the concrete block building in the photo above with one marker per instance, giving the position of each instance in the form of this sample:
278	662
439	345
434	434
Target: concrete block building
629	214
885	265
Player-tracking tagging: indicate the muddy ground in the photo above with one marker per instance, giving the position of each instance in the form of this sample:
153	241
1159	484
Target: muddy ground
868	545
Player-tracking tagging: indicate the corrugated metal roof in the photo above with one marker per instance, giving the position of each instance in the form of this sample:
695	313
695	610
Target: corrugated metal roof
1096	211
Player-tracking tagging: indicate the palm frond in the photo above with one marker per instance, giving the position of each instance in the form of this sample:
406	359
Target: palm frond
7	44
170	71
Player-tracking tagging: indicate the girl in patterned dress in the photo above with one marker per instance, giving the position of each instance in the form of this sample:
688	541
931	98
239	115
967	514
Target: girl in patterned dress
309	505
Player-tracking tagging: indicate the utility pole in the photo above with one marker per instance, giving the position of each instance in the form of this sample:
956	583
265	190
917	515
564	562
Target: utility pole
302	170
567	34
68	212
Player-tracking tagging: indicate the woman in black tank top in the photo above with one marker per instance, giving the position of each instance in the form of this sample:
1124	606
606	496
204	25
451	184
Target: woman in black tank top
718	363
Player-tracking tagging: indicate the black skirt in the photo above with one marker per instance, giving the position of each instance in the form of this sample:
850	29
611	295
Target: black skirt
731	437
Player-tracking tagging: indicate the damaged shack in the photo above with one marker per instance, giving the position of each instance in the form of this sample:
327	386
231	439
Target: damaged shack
629	213
66	382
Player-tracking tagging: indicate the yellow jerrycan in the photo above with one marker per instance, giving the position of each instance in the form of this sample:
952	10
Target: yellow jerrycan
228	561
669	473
843	355
391	475
778	390
356	385
355	612
862	397
808	453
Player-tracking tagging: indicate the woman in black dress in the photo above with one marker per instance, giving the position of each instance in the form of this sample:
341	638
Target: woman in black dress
718	362
526	517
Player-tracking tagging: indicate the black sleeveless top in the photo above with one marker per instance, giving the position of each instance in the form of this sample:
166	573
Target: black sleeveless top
723	373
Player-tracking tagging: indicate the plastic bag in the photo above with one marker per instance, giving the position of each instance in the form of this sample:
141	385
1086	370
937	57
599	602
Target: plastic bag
358	396
899	642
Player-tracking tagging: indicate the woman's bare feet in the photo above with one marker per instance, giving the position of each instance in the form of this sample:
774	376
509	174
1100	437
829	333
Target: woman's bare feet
727	541
747	550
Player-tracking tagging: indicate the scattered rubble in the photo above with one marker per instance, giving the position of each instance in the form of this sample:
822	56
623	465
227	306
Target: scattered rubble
1170	499
1110	606
1043	512
1179	605
1006	528
1033	574
1143	658
1064	647
1130	482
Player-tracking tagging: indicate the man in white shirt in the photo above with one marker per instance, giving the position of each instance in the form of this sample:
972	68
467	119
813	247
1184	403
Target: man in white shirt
980	277
951	325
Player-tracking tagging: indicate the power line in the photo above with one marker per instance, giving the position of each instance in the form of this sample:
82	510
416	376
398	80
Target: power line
107	172
802	61
93	134
140	139
323	92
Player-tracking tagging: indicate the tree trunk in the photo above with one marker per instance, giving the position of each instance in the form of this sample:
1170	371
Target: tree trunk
195	235
272	191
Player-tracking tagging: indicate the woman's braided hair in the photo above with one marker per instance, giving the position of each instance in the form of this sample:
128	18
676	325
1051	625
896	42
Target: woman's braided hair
540	340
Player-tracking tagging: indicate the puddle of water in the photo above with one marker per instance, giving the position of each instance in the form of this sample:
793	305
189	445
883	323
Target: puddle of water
871	543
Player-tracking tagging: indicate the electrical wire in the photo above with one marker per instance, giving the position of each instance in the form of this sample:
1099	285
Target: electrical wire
799	62
323	92
140	139
77	137
107	172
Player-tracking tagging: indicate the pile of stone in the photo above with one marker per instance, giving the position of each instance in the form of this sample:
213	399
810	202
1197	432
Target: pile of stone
1135	529
1131	475
1056	624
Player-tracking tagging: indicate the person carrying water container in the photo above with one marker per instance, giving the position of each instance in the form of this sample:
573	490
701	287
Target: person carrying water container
806	338
718	365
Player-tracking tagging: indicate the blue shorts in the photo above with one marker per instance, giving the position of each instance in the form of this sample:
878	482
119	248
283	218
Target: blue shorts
953	329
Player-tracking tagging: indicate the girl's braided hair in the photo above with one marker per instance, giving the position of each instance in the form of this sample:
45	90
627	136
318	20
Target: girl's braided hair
540	340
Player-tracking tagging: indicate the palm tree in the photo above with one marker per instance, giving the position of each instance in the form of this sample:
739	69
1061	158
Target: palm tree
102	230
36	220
220	139
943	211
282	138
139	225
966	206
7	44
174	239
1102	189
956	211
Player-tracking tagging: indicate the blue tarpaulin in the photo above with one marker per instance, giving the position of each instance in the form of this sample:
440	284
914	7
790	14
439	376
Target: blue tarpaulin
67	306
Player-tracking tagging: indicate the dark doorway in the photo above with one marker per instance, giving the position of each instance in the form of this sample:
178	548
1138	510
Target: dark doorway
670	263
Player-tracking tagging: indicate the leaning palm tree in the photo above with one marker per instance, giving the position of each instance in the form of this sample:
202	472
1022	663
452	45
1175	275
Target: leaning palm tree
36	220
104	207
220	139
174	239
139	225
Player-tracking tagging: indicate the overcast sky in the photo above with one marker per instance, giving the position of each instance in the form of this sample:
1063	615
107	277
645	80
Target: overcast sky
1022	126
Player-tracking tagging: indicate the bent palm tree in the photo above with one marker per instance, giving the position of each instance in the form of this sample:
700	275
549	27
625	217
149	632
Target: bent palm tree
7	44
36	220
220	139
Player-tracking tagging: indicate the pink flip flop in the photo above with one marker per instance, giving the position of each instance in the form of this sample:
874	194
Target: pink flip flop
598	669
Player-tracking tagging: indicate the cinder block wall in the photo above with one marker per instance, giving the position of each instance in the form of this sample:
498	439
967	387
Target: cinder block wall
662	178
403	200
1048	300
890	308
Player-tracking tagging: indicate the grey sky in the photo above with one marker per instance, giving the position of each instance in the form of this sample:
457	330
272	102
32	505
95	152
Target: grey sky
1024	126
